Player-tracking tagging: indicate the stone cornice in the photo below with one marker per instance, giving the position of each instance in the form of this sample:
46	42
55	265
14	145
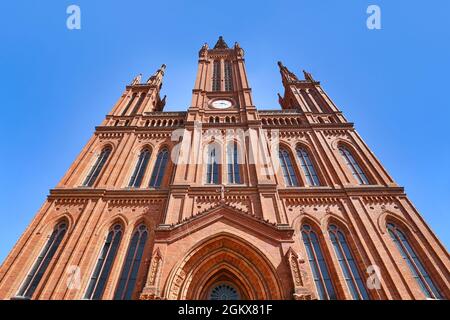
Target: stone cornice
107	194
324	193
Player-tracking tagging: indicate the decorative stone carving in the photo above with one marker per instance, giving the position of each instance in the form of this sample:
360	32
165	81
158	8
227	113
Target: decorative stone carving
151	290
294	263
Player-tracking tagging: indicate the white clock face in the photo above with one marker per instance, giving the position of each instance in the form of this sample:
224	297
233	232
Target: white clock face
221	104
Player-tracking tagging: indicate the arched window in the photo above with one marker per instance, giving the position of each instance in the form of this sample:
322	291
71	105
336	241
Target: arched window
224	291
415	265
127	280
216	76
139	171
234	175
104	264
353	166
40	266
290	177
318	264
348	264
212	165
308	168
97	167
228	76
159	169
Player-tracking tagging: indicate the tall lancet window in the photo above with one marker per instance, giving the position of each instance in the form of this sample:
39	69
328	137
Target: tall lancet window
414	263
132	263
45	257
228	76
159	169
348	264
212	165
97	167
234	175
104	264
139	170
290	178
318	264
216	76
308	168
354	167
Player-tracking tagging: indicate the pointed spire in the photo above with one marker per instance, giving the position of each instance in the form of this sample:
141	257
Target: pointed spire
280	99
221	44
137	79
203	51
286	74
239	50
161	103
157	76
308	76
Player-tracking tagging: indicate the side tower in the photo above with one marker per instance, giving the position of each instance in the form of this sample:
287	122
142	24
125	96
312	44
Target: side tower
92	237
361	236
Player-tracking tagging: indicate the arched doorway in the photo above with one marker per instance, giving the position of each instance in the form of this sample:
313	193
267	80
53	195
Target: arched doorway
223	266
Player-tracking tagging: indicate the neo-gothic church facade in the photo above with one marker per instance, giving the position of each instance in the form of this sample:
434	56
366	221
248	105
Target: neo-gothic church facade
225	201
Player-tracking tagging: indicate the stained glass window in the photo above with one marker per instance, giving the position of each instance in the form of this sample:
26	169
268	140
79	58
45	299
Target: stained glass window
414	263
290	177
318	264
348	264
127	280
97	167
234	175
308	168
104	264
40	266
159	169
139	171
354	167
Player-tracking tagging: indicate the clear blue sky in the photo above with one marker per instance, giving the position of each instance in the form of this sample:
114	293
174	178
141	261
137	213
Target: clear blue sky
56	85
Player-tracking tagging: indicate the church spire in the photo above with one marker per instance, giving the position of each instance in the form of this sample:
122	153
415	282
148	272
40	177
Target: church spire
286	75
221	44
157	77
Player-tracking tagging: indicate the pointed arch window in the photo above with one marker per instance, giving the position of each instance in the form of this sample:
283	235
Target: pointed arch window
414	263
318	264
290	178
308	168
139	171
159	169
212	165
127	280
40	266
216	76
347	264
228	68
104	264
97	167
234	175
354	167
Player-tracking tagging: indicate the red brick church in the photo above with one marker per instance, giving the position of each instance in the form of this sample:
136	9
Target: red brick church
225	201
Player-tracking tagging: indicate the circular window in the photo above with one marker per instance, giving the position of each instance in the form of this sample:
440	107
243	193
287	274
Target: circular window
224	291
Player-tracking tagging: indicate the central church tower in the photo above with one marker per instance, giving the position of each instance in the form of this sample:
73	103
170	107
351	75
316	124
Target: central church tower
224	201
221	85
